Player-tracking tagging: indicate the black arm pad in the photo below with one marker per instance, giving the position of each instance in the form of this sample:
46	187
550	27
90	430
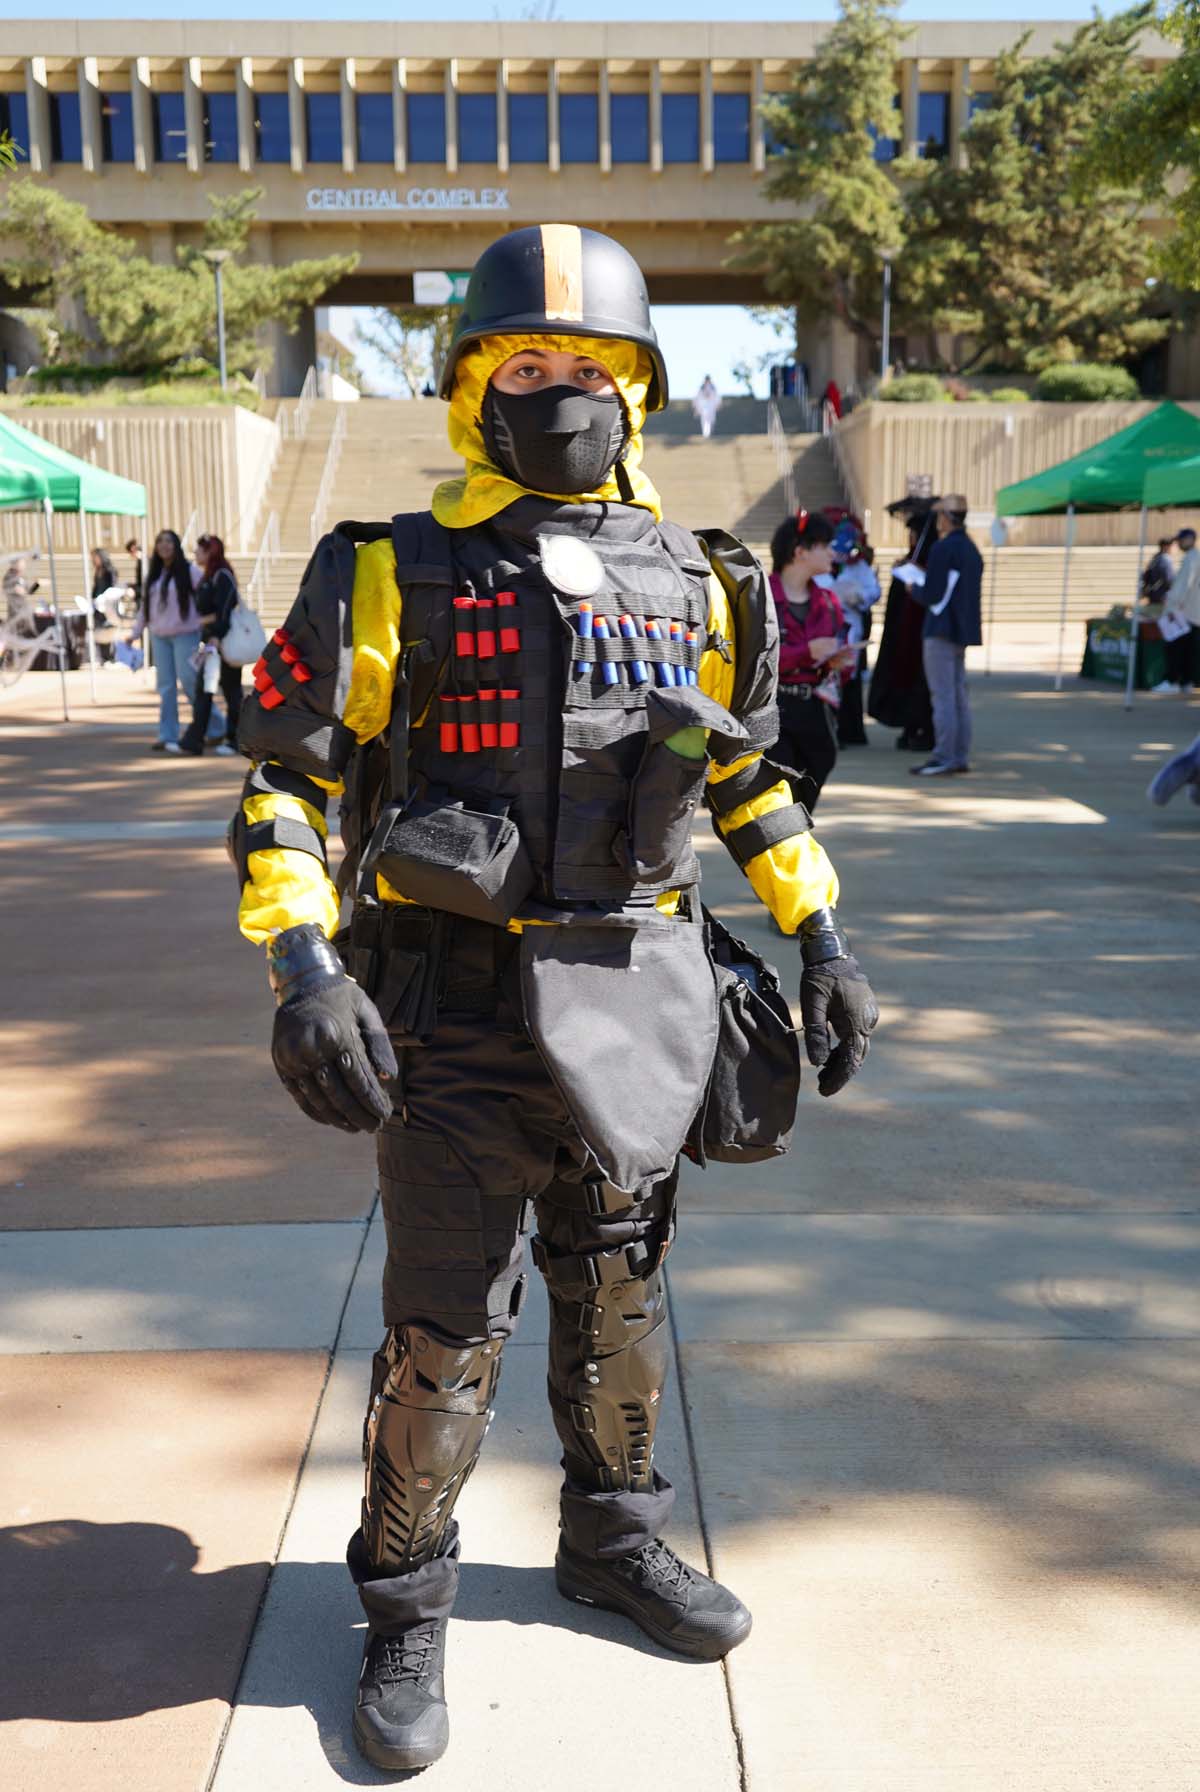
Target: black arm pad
753	837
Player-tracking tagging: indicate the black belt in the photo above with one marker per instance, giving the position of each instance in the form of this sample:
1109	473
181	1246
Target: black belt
797	690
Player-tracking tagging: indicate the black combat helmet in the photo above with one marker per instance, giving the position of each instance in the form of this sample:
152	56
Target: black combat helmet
556	279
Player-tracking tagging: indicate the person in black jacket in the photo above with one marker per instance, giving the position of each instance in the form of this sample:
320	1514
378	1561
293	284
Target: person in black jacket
216	598
950	598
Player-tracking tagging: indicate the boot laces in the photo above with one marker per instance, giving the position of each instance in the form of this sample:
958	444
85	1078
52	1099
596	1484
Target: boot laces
407	1657
658	1565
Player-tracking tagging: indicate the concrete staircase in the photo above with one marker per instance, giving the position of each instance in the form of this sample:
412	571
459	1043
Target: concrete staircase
396	451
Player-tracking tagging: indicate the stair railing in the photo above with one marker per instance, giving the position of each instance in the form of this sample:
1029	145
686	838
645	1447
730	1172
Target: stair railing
784	464
333	454
295	422
264	561
256	497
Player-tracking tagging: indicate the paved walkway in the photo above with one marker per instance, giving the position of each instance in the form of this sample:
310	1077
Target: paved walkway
935	1409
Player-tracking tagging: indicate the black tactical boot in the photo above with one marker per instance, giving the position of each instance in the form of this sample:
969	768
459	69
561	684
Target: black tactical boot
400	1716
676	1605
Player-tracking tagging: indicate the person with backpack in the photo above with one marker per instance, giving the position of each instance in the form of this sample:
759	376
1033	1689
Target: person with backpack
216	601
521	696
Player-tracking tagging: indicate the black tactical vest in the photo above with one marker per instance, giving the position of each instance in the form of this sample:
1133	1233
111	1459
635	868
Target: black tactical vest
603	808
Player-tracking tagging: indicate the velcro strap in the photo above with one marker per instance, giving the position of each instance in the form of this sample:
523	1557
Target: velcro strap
272	779
725	795
596	1269
753	837
283	830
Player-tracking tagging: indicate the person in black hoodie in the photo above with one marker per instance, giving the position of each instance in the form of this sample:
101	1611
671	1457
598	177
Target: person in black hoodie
216	598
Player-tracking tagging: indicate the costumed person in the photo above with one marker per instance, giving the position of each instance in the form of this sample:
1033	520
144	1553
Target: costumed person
706	404
857	590
519	698
812	659
898	695
951	597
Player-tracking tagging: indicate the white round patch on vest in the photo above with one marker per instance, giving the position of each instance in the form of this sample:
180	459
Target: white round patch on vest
571	565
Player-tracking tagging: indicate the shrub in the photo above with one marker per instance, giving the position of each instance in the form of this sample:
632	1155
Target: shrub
914	388
1085	382
1007	395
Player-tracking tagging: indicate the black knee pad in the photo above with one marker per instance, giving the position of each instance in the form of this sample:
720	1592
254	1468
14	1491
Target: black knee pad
429	1414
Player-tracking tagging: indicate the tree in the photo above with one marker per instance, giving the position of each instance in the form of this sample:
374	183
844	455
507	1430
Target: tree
1010	251
110	305
1146	139
412	339
847	208
8	152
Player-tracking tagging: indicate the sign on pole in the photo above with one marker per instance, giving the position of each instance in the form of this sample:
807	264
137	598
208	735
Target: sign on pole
438	287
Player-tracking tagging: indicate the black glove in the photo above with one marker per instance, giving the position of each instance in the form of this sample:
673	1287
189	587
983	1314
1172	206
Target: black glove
330	1046
837	1007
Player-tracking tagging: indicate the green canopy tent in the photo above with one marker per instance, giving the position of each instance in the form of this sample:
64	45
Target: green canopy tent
35	475
1114	474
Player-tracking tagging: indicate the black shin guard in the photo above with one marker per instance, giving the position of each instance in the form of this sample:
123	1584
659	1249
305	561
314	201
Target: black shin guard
608	1360
429	1413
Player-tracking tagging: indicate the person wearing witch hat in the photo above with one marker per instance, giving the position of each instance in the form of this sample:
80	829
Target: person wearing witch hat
519	698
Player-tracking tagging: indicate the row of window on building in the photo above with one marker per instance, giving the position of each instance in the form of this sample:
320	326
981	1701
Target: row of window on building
425	118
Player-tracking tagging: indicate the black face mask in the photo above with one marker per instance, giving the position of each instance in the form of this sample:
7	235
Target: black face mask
555	440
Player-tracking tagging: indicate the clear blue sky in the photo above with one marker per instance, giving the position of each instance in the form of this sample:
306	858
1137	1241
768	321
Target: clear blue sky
512	9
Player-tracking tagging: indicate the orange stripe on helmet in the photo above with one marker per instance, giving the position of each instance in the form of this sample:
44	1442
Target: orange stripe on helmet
562	257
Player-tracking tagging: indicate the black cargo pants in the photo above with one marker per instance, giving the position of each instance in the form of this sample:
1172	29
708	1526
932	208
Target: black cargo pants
481	1144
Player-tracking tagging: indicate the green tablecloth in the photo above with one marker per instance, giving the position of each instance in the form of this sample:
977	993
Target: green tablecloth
1106	653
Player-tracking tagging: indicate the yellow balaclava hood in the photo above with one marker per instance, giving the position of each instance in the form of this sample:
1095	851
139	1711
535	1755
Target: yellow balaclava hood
484	490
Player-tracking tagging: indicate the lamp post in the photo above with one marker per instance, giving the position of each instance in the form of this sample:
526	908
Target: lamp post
216	259
885	347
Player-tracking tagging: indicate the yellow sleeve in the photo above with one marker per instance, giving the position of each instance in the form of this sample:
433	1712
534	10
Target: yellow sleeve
285	887
793	877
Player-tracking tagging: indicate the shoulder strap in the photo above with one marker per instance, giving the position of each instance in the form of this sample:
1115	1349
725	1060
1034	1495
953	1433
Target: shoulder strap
424	555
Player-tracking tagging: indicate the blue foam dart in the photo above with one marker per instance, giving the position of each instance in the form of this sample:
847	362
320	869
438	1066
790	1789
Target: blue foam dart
583	623
662	672
678	672
637	668
609	670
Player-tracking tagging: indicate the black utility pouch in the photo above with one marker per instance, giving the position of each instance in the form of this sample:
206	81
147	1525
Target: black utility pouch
668	786
749	1109
466	861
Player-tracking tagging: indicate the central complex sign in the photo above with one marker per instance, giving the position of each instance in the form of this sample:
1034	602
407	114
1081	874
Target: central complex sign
406	199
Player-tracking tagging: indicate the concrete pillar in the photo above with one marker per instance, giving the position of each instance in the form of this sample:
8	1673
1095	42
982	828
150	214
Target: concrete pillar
553	133
960	110
349	118
707	151
143	115
400	115
245	113
296	121
452	116
758	138
910	99
656	128
89	114
193	114
37	98
502	116
605	122
294	354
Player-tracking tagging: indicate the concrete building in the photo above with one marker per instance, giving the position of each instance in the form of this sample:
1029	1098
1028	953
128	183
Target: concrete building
415	144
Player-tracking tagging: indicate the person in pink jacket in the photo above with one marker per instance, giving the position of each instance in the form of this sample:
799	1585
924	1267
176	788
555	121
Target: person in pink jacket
812	660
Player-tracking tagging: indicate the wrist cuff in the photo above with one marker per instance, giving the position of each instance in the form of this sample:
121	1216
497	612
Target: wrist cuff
821	939
299	959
